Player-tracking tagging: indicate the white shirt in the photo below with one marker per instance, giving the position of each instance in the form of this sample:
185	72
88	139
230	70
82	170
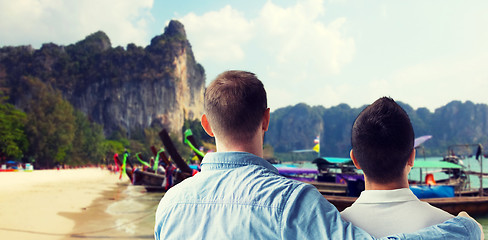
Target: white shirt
385	212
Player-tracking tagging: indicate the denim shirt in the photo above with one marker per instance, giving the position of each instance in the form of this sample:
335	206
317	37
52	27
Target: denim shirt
238	195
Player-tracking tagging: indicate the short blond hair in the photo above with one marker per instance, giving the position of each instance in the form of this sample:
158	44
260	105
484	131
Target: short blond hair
234	104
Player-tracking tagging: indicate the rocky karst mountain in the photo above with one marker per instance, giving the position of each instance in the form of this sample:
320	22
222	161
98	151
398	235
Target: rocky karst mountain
295	127
125	90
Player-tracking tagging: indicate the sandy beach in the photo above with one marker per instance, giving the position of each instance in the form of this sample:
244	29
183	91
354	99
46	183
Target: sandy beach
88	203
68	204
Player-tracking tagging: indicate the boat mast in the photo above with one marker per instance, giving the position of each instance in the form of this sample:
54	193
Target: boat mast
481	168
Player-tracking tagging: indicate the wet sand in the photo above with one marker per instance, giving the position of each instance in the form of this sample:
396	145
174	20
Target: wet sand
88	203
126	212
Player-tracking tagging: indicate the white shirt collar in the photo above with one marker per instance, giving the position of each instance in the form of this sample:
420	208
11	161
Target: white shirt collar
386	196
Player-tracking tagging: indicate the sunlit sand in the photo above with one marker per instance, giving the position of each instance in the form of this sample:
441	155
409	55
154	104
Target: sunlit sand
44	204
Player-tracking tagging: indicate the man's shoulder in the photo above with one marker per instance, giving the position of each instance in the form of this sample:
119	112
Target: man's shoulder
435	211
253	183
408	216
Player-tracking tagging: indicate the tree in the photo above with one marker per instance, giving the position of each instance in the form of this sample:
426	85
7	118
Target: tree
111	147
50	125
87	141
13	141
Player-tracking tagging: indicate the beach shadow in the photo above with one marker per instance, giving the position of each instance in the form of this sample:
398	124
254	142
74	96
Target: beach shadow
113	237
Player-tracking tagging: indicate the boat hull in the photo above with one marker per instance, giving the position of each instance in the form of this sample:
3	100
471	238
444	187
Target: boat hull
472	205
148	178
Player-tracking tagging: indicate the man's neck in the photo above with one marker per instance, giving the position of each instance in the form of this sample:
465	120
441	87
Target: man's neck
369	185
254	147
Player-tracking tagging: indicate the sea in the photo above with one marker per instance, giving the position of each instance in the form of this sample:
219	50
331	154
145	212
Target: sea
134	209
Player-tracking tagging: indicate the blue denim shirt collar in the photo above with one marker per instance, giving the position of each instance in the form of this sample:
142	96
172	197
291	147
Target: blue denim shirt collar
228	160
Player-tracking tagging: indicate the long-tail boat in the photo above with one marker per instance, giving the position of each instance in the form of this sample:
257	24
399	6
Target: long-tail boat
473	201
155	176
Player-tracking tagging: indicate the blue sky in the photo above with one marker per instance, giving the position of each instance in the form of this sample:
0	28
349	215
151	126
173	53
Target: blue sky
424	53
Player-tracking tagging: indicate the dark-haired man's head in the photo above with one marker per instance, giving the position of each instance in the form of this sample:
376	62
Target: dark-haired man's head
235	103
382	141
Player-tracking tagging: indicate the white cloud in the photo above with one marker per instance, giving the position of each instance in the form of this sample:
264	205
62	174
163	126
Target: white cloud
376	88
383	11
218	35
301	41
288	47
436	82
305	51
289	34
64	22
329	95
280	97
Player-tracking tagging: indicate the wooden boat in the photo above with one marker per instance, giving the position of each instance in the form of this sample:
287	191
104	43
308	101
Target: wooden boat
122	165
185	170
331	180
147	178
456	175
333	176
474	206
468	200
340	173
150	180
331	188
473	201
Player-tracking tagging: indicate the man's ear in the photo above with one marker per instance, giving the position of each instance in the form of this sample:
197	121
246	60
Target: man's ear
266	120
356	164
206	126
411	159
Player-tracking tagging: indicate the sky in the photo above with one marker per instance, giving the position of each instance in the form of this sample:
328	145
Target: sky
423	53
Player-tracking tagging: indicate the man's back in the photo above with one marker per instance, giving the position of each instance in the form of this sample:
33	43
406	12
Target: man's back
386	212
240	196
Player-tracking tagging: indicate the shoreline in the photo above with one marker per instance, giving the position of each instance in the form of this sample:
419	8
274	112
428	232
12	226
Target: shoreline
78	203
116	215
47	204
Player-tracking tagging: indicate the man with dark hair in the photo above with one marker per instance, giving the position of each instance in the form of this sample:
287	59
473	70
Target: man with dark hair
382	141
239	195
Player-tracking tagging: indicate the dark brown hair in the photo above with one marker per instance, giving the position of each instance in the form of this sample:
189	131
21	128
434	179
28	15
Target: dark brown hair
234	104
382	140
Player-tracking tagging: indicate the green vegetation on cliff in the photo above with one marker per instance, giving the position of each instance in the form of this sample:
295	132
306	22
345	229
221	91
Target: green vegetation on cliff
80	103
13	141
295	127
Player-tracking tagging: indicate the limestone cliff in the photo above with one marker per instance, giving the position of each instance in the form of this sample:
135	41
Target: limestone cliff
295	127
123	89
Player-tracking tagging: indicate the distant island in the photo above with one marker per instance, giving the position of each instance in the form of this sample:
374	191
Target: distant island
295	127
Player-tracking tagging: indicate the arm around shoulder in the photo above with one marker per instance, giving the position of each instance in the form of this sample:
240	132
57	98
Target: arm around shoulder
308	215
455	228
